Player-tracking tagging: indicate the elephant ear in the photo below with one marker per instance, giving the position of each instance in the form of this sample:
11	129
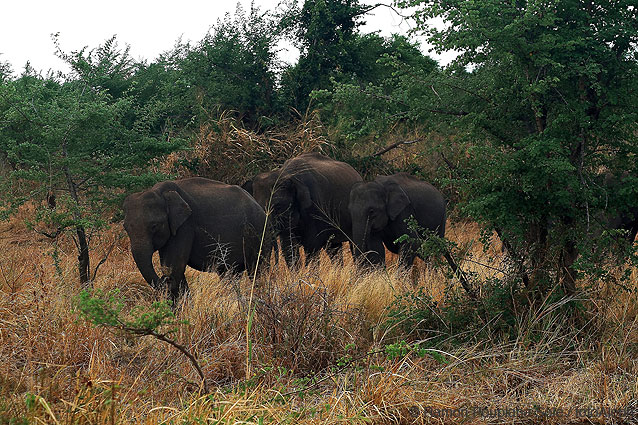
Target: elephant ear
248	186
303	195
178	210
396	199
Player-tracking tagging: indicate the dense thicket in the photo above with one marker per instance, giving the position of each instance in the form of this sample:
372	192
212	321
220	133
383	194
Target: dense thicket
531	130
548	120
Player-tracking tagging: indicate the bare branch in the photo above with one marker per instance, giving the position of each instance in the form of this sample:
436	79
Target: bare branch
106	256
395	145
451	166
389	6
180	347
55	235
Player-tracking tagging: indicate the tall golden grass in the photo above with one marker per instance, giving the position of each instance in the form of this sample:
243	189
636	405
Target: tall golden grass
318	338
223	150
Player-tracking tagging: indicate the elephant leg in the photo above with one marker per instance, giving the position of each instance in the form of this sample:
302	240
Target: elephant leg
255	250
311	252
389	239
175	281
406	256
313	239
174	256
289	248
333	249
374	255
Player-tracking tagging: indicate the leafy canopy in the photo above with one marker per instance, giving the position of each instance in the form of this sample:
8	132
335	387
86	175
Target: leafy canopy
79	140
550	108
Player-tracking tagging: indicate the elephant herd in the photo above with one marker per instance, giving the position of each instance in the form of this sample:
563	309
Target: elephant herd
311	201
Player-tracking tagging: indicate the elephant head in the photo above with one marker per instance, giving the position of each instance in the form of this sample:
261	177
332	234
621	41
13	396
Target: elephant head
151	219
372	206
248	187
283	195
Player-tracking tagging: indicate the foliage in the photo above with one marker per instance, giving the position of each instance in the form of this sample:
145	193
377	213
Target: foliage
382	93
164	93
106	309
325	31
157	320
549	106
77	141
501	315
501	311
456	319
5	70
234	68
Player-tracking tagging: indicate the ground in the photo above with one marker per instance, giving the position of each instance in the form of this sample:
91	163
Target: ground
318	343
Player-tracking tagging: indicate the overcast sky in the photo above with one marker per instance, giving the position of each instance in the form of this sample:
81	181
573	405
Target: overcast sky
149	26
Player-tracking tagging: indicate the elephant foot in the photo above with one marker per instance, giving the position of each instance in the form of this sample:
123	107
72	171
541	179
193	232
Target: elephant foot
176	289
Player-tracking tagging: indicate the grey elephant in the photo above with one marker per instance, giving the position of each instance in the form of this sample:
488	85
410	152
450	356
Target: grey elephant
379	210
308	198
196	222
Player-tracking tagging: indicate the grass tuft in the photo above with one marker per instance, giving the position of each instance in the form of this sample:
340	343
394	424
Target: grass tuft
320	336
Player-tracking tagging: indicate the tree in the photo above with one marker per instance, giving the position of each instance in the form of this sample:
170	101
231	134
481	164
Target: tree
550	107
234	67
78	140
325	31
381	93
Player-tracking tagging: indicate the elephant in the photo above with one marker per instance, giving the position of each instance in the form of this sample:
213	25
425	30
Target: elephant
379	210
198	222
308	200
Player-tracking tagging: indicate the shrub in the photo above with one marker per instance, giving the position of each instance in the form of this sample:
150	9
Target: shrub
303	325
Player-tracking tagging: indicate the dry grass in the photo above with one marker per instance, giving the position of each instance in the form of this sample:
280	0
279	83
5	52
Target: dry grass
223	150
55	368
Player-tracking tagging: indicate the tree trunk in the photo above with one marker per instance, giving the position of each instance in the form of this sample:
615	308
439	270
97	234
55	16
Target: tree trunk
460	274
567	274
84	263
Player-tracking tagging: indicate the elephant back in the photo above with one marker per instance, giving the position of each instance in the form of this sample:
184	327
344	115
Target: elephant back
427	203
328	181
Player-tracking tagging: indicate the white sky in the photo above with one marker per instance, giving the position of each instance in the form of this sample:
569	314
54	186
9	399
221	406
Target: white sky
150	27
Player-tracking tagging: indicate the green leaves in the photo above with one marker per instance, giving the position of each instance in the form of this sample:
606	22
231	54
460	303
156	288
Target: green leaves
100	308
234	67
106	309
392	83
330	47
551	104
81	139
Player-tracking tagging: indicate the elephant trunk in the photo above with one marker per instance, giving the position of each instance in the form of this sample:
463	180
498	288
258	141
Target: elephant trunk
143	256
368	245
359	239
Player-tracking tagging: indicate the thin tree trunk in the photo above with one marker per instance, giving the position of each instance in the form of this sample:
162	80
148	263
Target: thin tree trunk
84	265
518	260
458	272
